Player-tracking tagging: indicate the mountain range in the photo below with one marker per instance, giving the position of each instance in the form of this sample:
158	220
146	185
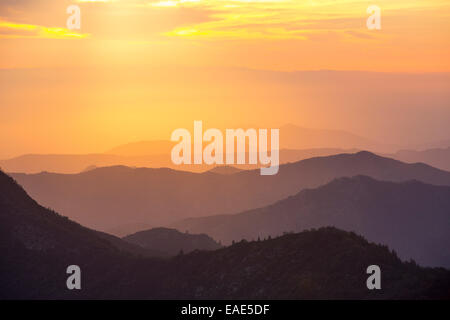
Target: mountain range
296	143
70	164
37	245
108	198
411	217
66	163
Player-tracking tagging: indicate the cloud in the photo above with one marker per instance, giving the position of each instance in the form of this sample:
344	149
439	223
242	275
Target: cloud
11	30
220	19
285	19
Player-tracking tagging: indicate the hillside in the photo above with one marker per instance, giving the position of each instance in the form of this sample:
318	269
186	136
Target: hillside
319	264
107	198
27	224
412	218
171	241
37	245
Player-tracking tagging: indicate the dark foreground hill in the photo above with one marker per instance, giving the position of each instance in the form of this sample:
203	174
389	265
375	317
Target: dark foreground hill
319	264
412	218
108	198
37	245
172	241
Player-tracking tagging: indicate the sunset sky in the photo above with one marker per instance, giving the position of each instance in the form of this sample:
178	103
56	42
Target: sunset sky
139	69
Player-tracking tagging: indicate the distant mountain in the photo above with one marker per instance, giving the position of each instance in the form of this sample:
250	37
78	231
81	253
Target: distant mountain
439	158
295	137
89	168
35	163
295	155
143	148
412	218
296	143
128	228
107	198
171	241
291	137
66	163
225	170
436	144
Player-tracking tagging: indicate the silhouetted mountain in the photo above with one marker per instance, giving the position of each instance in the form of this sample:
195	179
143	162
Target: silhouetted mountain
126	229
439	158
108	198
89	168
291	137
35	242
37	245
62	163
297	144
70	164
225	170
436	144
65	163
412	218
295	137
143	148
26	223
171	241
295	155
321	264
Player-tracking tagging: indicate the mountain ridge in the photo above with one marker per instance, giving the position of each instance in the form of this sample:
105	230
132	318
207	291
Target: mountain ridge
411	217
319	264
159	197
171	241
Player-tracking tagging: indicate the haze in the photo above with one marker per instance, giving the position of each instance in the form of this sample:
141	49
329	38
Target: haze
137	70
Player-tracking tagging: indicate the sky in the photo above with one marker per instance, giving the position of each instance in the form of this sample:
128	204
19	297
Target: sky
139	69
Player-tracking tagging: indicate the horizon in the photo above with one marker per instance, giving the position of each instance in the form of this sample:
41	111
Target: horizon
413	146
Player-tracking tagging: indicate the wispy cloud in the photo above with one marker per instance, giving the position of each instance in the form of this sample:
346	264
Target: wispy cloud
283	19
268	34
11	30
226	19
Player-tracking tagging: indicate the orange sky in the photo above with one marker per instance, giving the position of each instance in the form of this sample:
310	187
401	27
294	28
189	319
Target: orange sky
118	79
261	34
